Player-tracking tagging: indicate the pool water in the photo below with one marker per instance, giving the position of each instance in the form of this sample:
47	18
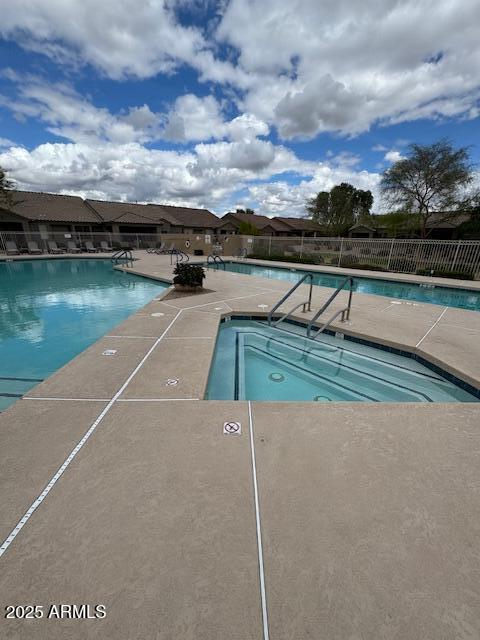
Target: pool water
253	361
447	296
51	310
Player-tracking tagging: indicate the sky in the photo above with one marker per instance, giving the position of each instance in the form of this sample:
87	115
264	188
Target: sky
231	103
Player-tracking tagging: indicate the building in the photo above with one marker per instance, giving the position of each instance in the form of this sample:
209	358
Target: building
125	217
301	227
438	228
44	213
232	223
47	212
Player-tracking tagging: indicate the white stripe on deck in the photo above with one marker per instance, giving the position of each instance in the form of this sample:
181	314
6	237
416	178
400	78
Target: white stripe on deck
263	595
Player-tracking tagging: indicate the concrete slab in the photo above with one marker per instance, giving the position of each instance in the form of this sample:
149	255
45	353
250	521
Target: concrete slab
195	324
455	350
144	325
155	520
370	518
93	375
35	438
185	360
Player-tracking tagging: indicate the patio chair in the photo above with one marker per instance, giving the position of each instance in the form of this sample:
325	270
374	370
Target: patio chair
11	248
104	246
160	248
53	247
33	248
90	248
72	247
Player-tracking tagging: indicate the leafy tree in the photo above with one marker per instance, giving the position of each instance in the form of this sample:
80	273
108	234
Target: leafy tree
5	189
431	181
249	211
338	208
248	229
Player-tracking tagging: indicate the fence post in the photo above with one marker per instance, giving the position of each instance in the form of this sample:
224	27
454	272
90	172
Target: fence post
390	254
269	246
301	247
456	255
340	254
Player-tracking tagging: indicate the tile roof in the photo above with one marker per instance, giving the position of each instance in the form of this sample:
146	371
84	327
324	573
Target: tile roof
50	207
133	213
188	217
127	212
258	221
299	224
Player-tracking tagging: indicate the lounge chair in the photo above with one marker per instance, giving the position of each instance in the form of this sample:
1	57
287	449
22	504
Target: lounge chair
53	247
90	248
11	248
33	248
171	249
104	246
160	248
72	247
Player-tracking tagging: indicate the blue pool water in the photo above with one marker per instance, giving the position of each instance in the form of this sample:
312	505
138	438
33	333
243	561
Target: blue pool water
447	296
51	310
256	362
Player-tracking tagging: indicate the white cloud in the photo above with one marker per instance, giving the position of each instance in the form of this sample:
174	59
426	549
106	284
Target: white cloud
341	66
393	156
121	39
5	142
304	66
210	176
69	115
282	198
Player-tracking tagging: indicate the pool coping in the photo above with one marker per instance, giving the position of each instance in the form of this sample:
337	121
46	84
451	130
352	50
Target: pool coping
388	276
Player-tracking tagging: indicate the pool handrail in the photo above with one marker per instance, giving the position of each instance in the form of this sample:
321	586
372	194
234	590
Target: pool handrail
306	305
345	312
215	260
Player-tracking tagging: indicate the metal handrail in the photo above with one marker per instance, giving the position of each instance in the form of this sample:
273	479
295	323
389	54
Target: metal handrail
122	254
306	305
180	256
215	260
345	311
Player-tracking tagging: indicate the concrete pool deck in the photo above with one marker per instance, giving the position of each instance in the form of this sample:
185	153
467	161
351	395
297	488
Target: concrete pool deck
369	516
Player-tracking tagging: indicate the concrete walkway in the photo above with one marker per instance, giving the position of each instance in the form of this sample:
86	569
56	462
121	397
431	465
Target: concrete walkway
318	521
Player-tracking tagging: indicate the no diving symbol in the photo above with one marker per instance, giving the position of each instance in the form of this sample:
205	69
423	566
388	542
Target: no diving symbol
171	382
232	428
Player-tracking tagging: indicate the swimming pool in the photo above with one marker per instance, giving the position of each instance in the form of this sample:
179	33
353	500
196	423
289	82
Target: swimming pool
253	361
51	310
447	296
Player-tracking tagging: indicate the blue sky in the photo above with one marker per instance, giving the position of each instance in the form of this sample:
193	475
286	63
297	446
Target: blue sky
220	104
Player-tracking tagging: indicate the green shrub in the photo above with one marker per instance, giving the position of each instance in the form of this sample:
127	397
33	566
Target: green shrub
191	275
363	265
444	273
348	260
307	259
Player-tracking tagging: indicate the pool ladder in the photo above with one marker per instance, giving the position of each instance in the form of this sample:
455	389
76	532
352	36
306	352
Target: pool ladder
307	305
215	261
123	255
